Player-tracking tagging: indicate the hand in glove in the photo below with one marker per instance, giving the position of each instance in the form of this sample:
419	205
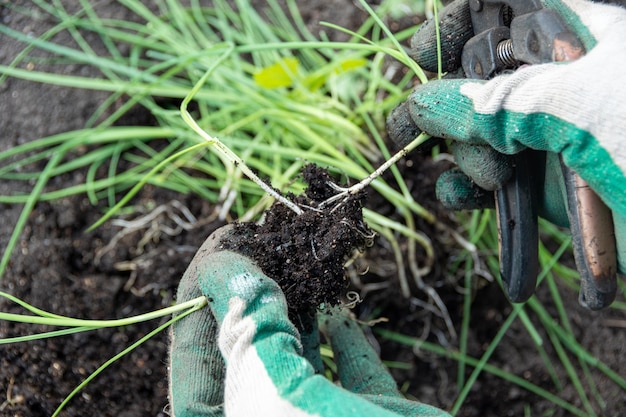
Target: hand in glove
575	110
241	356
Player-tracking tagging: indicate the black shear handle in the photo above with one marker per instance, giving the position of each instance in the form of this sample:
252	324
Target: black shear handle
518	236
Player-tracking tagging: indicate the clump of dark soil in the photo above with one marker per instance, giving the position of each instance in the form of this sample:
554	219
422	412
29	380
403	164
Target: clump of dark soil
305	253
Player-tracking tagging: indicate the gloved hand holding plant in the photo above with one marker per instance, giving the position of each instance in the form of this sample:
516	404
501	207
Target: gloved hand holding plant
255	349
243	356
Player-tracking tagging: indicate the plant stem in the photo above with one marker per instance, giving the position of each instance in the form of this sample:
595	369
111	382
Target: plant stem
224	150
360	186
43	317
191	306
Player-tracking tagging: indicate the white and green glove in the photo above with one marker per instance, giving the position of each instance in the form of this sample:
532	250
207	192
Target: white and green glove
576	109
241	356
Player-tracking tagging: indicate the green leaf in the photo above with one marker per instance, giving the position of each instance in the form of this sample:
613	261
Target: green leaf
350	64
279	74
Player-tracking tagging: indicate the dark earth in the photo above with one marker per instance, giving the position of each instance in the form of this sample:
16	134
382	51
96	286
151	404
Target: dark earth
61	268
305	253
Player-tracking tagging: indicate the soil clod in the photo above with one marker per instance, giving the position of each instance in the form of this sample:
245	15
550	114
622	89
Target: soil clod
305	254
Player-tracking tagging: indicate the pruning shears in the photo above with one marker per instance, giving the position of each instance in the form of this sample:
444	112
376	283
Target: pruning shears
507	34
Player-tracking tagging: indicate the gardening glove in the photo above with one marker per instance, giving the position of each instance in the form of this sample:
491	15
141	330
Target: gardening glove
574	110
242	356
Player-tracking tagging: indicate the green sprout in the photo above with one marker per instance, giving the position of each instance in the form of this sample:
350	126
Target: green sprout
73	325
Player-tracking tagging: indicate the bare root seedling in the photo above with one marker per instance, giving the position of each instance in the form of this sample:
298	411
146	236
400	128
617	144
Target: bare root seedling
228	156
333	203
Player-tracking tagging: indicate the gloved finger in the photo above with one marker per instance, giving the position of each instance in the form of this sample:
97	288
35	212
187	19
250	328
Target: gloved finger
402	130
400	126
455	29
488	168
197	369
310	339
359	368
456	191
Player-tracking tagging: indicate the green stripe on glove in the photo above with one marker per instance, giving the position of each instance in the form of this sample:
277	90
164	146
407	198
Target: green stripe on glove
508	131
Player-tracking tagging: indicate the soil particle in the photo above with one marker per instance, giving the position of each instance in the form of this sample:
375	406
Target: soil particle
305	253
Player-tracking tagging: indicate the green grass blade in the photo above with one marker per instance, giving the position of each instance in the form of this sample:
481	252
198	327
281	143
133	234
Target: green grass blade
123	353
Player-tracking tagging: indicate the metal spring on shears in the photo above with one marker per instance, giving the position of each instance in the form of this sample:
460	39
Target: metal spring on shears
504	53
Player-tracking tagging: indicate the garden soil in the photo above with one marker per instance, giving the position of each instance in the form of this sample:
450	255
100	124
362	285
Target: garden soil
60	267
